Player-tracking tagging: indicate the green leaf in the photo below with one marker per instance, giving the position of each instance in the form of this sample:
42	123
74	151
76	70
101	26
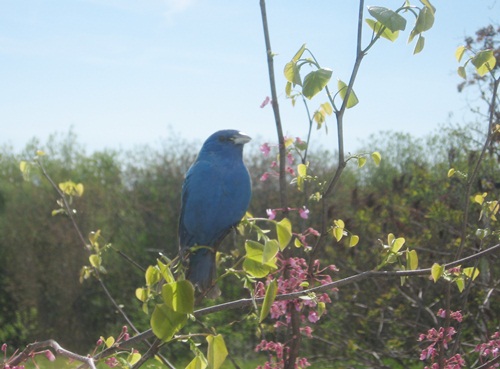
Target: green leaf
376	157
471	272
460	284
386	32
179	296
271	292
299	53
271	249
353	240
165	322
152	275
95	260
361	161
217	351
284	232
425	20
420	45
288	89
315	81
412	260
110	341
141	294
451	172
292	73
436	272
302	170
199	362
388	18
338	233
133	358
461	72
253	264
353	99
484	61
397	244
459	53
428	4
165	271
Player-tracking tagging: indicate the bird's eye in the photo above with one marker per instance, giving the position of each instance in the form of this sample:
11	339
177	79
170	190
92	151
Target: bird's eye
225	138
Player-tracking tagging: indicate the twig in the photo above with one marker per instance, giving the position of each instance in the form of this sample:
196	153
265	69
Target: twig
32	347
242	303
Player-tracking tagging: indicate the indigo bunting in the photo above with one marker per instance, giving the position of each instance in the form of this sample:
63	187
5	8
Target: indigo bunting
215	196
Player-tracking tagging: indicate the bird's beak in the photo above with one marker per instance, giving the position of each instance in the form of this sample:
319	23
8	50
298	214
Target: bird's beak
240	138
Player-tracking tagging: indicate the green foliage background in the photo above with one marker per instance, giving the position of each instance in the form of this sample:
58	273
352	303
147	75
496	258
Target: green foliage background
133	198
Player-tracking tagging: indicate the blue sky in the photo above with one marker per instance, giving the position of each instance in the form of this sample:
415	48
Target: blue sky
124	73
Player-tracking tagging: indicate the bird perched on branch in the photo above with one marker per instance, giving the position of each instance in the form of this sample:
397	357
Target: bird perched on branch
215	196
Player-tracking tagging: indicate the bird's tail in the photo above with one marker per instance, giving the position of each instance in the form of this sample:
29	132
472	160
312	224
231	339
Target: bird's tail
201	272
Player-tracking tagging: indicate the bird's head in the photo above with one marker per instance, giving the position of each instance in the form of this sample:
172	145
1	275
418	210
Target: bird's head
226	141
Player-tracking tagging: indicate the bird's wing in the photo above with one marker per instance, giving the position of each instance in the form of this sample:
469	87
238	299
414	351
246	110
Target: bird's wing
213	200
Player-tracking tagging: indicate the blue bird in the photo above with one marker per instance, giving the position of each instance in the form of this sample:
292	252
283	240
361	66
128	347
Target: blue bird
215	196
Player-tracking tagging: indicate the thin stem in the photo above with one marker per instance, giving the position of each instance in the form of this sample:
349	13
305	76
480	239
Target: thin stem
472	178
277	117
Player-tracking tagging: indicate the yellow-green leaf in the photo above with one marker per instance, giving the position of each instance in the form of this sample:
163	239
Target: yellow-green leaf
461	72
284	232
376	157
460	284
377	27
338	233
199	362
23	165
459	53
412	260
484	61
397	244
133	358
253	264
361	161
271	249
165	322
353	240
436	272
352	100
471	272
109	341
302	170
420	45
152	275
451	172
292	73
299	53
95	260
217	351
271	292
141	294
179	296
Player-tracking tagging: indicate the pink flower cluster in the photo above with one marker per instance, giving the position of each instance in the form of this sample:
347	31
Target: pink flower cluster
303	212
266	150
442	336
490	350
299	276
281	352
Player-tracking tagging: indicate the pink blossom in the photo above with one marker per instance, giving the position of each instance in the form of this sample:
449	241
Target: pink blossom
265	149
304	212
49	355
112	362
4	347
265	102
289	158
264	177
271	213
313	317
